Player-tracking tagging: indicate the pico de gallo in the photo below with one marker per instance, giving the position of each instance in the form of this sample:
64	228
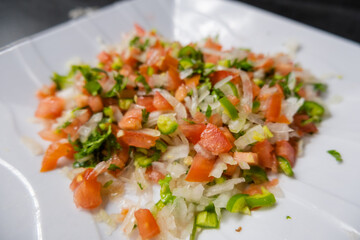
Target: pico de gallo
205	124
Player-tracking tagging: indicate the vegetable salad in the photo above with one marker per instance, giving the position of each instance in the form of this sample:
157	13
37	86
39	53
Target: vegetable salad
205	124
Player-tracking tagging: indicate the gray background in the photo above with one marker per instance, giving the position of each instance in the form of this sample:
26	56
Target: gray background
20	18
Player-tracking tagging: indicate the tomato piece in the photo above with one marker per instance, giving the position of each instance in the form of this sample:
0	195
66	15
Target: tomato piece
104	57
95	103
181	93
234	100
139	30
168	62
153	175
255	90
148	228
55	151
228	134
76	124
265	154
249	157
82	101
46	91
193	81
230	170
216	119
267	64
146	102
212	45
274	107
160	103
138	139
199	118
52	135
284	149
214	140
305	128
192	131
284	68
220	75
50	107
200	169
86	190
174	80
282	119
131	120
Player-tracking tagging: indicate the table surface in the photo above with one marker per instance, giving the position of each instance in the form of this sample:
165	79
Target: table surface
19	18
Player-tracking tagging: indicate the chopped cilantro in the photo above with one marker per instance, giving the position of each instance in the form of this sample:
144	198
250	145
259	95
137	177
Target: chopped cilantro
134	41
336	155
208	111
320	87
118	87
140	186
145	116
113	167
142	80
288	217
189	121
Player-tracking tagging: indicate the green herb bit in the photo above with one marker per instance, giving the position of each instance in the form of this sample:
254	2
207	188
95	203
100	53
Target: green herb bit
167	124
108	183
218	93
336	155
321	87
243	64
140	186
256	106
142	160
161	146
288	217
233	89
266	199
207	220
186	63
259	82
61	82
145	116
190	52
109	113
189	121
314	110
150	71
134	41
208	111
141	79
285	166
125	104
165	192
237	204
120	85
113	167
255	175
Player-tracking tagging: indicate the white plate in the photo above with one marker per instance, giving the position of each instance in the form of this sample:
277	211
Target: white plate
323	199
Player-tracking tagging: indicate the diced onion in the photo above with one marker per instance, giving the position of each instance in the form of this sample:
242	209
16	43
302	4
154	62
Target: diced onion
192	194
223	187
176	152
150	132
218	168
199	149
176	169
223	81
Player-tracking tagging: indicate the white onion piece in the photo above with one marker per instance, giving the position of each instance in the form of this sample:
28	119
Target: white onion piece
199	149
159	167
255	118
84	132
290	106
277	191
117	113
250	137
176	152
237	125
212	51
176	169
279	130
187	72
152	120
218	168
178	106
227	158
244	165
108	84
191	194
222	200
159	80
149	131
247	98
223	81
223	187
86	129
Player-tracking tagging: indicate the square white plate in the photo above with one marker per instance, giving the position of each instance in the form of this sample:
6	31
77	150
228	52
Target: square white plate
322	200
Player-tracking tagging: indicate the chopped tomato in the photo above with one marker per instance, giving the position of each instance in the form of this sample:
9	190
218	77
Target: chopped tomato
95	103
146	102
174	80
249	157
214	140
265	154
52	135
148	228
255	90
181	93
274	107
230	170
304	128
50	107
220	75
193	81
168	62
82	101
138	139
256	188
160	103
104	57
153	55
284	149
283	68
266	64
228	134
234	100
282	119
153	175
76	124
46	91
199	118
212	45
131	120
86	190
200	169
192	131
216	119
139	30
55	151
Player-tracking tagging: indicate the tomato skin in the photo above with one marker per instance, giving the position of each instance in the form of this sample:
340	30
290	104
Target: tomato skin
138	139
52	135
168	62
153	175
160	103
284	149
265	154
307	128
148	228
55	151
274	108
228	135
181	93
174	80
95	103
50	107
192	131
193	81
131	120
86	190
200	169
146	102
214	140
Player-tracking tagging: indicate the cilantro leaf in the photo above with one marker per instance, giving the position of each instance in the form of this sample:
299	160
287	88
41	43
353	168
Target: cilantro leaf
142	80
113	167
208	111
145	116
336	155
